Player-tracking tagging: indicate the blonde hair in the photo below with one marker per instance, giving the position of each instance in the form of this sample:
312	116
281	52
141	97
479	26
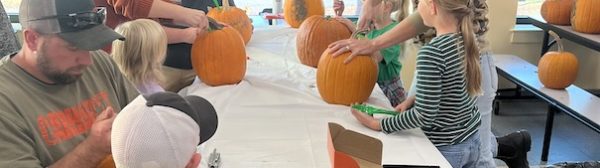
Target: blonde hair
464	13
141	55
398	6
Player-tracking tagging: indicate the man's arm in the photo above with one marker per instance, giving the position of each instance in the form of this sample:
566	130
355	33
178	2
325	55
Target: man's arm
16	145
91	151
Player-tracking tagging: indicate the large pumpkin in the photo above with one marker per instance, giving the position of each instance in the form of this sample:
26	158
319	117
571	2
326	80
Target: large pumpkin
234	17
558	70
586	17
340	83
557	11
219	57
315	34
296	11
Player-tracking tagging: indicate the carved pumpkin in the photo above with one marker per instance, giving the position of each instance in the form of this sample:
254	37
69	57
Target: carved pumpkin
234	17
340	83
557	11
586	18
557	70
315	34
296	11
219	57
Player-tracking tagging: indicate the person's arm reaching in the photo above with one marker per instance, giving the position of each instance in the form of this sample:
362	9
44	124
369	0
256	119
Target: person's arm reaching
405	30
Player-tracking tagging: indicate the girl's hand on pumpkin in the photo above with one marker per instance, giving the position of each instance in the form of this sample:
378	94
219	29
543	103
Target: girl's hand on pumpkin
346	23
366	120
357	47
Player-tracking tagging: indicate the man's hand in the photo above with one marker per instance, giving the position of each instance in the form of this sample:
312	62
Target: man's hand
95	148
99	138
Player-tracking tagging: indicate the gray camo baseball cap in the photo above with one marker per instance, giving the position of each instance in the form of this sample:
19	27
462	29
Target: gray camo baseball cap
76	21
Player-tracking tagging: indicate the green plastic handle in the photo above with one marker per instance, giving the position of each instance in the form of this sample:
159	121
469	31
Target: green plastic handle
370	110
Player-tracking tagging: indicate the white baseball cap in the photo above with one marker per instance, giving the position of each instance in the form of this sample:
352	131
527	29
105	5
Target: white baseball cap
161	130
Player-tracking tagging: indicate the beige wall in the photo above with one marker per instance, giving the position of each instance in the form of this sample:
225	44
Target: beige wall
526	44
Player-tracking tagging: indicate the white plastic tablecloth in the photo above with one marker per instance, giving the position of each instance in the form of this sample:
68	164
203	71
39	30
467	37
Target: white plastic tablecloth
275	117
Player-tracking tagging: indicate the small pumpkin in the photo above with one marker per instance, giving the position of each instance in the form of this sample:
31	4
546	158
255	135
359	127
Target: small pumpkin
585	17
315	34
345	84
219	57
234	17
557	11
296	11
557	69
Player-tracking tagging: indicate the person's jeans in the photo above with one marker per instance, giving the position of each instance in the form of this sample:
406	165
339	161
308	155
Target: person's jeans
465	154
489	84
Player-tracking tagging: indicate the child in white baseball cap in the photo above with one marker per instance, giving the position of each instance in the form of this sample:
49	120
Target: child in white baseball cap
162	130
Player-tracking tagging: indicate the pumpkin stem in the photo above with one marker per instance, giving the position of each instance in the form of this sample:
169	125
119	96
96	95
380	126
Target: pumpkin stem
558	40
360	34
216	3
213	25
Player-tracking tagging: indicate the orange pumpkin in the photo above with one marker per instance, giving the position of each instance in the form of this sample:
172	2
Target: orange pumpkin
296	11
585	17
107	162
234	17
340	83
557	11
219	57
315	34
557	70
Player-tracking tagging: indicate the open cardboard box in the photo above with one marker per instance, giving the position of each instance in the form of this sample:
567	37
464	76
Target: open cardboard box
350	149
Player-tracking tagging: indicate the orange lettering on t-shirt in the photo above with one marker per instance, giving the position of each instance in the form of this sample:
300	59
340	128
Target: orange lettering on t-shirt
58	126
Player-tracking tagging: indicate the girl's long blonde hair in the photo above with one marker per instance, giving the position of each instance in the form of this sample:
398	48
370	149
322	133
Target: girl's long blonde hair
464	13
142	54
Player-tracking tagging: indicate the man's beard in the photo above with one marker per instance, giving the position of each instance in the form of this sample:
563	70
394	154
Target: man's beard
55	75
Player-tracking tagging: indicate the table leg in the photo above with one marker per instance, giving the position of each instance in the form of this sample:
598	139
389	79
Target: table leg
548	132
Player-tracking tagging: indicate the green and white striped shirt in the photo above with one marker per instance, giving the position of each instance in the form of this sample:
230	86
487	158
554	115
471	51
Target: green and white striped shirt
443	108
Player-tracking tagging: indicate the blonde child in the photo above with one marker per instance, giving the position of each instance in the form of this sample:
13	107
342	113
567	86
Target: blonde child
389	66
141	55
448	79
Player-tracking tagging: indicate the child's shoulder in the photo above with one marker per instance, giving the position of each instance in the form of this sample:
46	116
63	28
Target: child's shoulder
443	41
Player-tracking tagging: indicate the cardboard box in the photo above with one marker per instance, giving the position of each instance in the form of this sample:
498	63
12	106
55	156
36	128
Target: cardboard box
350	149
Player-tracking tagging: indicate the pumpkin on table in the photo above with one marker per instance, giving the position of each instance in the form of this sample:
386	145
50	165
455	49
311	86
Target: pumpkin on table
234	17
296	11
315	34
557	69
345	84
557	11
219	57
586	17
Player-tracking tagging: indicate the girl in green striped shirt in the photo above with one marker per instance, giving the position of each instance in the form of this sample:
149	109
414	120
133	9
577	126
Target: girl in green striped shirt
448	81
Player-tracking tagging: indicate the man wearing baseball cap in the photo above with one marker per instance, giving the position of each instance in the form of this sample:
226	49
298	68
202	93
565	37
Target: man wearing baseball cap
162	130
59	93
